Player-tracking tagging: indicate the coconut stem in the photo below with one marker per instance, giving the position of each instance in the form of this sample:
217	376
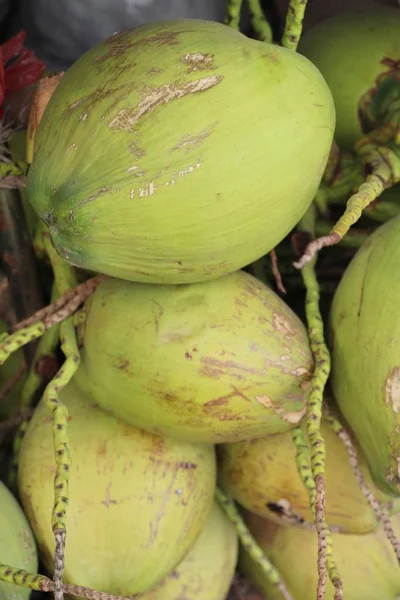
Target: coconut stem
233	12
45	318
260	24
294	24
41	583
250	544
379	511
65	280
276	272
313	416
36	376
385	172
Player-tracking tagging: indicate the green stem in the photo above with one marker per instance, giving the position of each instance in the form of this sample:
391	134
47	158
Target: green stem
250	545
294	24
233	12
316	441
65	280
34	380
259	22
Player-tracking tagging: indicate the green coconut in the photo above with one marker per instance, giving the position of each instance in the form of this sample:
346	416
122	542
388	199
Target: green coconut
210	362
174	152
207	571
365	342
137	502
17	544
262	476
367	563
358	54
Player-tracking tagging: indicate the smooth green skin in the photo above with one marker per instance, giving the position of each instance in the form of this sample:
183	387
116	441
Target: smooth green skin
137	502
211	362
175	153
17	544
348	50
206	573
365	340
367	563
258	473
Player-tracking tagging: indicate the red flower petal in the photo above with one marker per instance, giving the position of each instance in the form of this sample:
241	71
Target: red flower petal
23	71
12	47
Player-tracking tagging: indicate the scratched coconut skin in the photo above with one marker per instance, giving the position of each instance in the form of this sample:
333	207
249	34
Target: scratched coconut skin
207	571
137	501
365	341
17	544
367	563
210	362
261	473
163	179
336	45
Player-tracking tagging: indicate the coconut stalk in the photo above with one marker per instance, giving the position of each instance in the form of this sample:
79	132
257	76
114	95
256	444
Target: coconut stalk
367	101
380	513
294	24
250	544
313	473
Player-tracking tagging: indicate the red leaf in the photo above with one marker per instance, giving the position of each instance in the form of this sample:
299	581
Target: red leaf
24	71
12	47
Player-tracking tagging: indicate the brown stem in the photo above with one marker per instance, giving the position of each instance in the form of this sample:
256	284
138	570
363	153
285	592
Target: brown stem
63	307
276	272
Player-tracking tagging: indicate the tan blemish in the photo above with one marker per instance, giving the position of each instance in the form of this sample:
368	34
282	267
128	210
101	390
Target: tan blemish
300	371
154	97
294	417
136	151
392	389
289	417
282	325
137	171
265	401
188	143
198	61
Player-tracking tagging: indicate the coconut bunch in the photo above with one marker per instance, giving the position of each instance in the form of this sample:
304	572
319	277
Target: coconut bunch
188	411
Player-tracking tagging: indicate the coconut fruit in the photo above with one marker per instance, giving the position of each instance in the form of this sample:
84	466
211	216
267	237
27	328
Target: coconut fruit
211	362
362	81
182	152
17	544
365	341
367	563
137	502
262	476
207	571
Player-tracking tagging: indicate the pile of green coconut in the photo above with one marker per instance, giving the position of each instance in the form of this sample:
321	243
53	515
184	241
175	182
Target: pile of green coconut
185	183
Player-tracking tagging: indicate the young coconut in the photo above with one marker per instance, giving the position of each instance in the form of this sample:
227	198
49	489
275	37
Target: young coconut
365	342
179	144
137	502
212	362
207	571
17	544
363	83
366	90
262	475
367	563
